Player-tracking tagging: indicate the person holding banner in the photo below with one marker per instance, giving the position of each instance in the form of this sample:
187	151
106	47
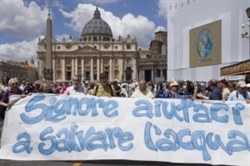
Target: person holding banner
240	93
4	100
174	92
104	88
46	88
142	92
215	92
224	87
76	86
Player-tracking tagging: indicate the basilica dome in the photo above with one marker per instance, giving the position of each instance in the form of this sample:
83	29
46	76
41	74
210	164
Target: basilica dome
96	29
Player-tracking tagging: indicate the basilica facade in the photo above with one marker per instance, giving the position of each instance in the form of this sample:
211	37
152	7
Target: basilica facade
94	52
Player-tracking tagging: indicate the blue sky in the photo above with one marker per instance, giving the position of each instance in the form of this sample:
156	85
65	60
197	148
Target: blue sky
22	22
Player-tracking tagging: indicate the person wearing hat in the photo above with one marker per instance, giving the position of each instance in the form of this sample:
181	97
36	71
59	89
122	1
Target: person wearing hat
173	92
240	93
173	89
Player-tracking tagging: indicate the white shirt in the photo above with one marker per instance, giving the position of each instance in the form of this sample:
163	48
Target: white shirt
139	94
73	90
236	96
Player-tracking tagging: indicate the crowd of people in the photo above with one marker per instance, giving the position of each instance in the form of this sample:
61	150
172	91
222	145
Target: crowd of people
223	90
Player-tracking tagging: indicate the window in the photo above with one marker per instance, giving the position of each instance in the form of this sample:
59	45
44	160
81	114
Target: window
158	72
87	62
128	46
128	61
87	75
68	76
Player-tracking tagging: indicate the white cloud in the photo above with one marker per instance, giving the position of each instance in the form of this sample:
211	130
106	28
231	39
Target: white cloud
19	51
99	2
163	8
22	21
159	28
137	26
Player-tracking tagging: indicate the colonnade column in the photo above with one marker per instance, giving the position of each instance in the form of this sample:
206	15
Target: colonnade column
76	66
72	67
91	69
63	69
110	69
101	64
82	66
98	68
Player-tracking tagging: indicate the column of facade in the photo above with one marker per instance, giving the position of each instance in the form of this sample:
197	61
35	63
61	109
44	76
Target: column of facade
152	74
82	66
63	69
123	71
72	67
91	69
135	74
101	60
98	68
76	66
110	69
41	69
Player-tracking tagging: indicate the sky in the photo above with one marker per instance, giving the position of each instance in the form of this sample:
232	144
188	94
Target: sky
23	22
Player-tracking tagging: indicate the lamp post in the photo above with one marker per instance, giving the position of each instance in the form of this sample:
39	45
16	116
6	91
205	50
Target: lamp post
247	34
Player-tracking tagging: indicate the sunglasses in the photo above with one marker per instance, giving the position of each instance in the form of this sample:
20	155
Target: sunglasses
75	79
14	83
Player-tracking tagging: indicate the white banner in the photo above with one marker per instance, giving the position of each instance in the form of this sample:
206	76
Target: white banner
52	127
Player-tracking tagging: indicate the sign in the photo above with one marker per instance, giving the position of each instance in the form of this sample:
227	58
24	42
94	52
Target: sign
79	127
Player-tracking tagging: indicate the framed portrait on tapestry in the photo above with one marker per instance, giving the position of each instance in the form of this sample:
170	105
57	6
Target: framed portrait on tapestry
205	45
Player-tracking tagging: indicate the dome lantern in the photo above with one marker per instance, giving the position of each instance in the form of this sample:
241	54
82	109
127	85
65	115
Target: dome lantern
97	14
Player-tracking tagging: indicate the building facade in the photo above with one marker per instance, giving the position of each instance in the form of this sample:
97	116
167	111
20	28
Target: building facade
19	70
153	62
205	36
94	52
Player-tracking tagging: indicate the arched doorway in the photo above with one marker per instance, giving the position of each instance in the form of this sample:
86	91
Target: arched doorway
128	72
